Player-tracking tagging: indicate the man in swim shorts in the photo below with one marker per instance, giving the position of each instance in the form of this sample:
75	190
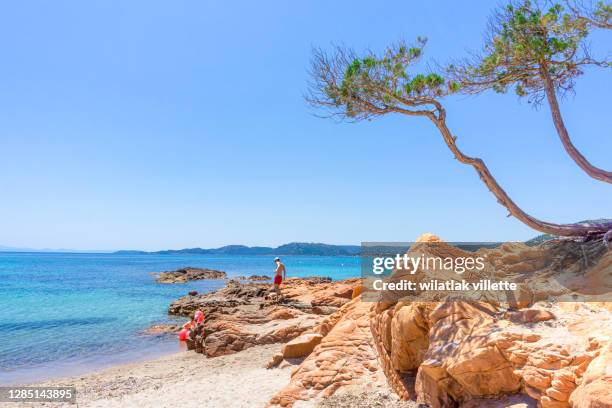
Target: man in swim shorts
279	274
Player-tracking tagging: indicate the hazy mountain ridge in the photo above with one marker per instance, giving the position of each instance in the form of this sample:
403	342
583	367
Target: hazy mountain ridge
293	248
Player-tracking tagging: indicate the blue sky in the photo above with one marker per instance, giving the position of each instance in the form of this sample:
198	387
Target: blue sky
155	124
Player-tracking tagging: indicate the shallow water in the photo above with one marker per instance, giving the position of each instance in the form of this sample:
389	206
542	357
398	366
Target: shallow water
65	314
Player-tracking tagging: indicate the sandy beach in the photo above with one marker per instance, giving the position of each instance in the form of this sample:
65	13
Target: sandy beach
188	379
184	379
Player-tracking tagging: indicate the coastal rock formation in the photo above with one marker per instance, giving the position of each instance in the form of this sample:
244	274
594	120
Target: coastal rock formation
243	315
463	351
301	346
254	278
321	292
595	389
345	356
528	347
318	296
188	274
230	331
187	305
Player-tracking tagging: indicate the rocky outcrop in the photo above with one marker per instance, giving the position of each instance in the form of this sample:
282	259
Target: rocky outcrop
301	346
187	305
318	296
254	278
188	274
462	352
243	315
531	347
344	357
227	332
321	292
522	350
595	387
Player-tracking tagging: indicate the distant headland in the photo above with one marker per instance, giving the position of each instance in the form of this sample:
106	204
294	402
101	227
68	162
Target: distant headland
294	248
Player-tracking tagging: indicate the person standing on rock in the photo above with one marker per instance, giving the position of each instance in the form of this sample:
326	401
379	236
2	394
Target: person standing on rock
280	274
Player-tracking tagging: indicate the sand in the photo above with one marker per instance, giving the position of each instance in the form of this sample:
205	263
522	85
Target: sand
184	380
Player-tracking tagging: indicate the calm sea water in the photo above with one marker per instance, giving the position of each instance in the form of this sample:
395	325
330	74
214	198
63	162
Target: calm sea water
66	314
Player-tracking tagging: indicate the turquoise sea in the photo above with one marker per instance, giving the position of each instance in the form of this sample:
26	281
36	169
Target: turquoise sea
65	314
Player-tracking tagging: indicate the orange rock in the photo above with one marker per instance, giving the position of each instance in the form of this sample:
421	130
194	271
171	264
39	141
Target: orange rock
241	316
595	389
345	356
428	237
473	351
409	336
301	345
536	377
275	360
547	402
356	291
530	316
556	394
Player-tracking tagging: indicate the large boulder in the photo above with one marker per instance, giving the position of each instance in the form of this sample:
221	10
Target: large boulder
595	389
229	331
188	274
344	357
464	351
301	346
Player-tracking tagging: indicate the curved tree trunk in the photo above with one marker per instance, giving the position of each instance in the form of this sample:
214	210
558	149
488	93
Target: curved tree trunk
574	153
567	230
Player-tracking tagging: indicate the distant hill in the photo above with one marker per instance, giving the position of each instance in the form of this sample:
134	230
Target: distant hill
294	248
299	248
547	237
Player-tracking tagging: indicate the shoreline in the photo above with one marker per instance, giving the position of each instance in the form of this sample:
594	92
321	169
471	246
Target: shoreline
320	344
185	379
80	366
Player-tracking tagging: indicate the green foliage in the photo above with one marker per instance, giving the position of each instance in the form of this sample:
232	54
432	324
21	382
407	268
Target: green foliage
603	11
453	86
385	81
530	41
533	45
